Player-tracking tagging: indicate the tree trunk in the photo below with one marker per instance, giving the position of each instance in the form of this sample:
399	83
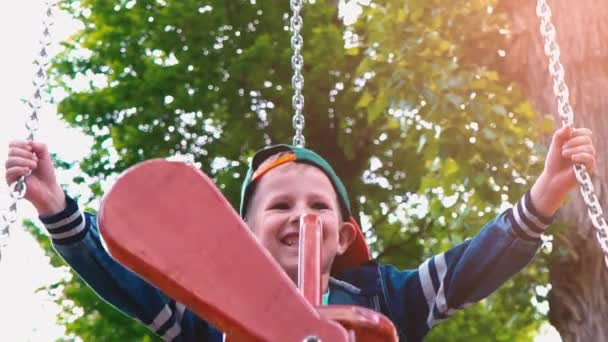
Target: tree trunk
579	296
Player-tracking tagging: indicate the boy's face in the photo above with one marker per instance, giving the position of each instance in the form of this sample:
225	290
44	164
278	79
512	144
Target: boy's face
284	194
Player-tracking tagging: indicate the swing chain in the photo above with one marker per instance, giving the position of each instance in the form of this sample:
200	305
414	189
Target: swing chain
18	188
297	81
564	108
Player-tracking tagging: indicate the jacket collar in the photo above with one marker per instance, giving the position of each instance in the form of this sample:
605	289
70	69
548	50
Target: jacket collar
344	286
362	280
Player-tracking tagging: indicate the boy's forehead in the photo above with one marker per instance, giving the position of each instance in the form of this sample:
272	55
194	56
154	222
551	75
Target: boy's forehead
280	160
295	170
290	175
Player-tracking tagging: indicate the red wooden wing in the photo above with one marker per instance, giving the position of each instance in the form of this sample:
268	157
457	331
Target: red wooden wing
168	223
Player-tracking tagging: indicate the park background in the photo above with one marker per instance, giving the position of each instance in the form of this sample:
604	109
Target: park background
421	101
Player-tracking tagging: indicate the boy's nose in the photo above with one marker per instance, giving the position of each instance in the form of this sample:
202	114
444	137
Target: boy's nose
295	217
297	213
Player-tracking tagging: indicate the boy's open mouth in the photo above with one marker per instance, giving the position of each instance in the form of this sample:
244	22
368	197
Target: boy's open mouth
291	239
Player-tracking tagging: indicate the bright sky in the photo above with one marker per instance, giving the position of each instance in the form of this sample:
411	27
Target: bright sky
25	314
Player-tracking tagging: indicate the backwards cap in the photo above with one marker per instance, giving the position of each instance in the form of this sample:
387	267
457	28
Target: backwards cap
358	252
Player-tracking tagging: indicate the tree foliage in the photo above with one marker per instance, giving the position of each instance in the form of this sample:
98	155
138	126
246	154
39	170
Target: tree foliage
405	103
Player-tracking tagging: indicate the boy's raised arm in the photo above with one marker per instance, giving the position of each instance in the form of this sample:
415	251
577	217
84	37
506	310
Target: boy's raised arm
469	272
76	238
448	282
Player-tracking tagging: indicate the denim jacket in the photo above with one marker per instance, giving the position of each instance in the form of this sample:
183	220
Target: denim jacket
414	300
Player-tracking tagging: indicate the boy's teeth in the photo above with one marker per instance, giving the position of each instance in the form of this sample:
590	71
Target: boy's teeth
291	240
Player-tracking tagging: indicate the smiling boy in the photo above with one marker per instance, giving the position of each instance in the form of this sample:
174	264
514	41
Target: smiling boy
284	182
275	209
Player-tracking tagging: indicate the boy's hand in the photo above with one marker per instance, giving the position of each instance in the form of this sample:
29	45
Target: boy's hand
42	188
569	146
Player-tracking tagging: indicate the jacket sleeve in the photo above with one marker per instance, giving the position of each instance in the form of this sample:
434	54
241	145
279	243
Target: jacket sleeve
76	238
465	274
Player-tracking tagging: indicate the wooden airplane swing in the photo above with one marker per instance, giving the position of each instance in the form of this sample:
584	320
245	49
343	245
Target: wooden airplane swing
199	252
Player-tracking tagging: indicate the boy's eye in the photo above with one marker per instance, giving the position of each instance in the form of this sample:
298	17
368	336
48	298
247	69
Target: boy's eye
320	206
279	206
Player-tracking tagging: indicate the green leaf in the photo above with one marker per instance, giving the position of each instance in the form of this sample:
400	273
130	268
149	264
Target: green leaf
450	167
365	100
378	106
352	51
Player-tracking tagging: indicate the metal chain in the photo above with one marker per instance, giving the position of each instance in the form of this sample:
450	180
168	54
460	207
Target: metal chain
18	188
560	89
297	81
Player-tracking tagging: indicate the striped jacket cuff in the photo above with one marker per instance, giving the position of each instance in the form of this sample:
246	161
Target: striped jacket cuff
167	323
67	226
526	220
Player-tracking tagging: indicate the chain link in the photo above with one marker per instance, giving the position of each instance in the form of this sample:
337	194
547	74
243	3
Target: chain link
18	188
297	81
564	108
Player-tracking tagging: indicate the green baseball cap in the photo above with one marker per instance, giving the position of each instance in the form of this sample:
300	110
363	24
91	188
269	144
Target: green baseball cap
358	251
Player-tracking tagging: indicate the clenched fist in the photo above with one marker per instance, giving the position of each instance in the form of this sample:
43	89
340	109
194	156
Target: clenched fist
43	191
